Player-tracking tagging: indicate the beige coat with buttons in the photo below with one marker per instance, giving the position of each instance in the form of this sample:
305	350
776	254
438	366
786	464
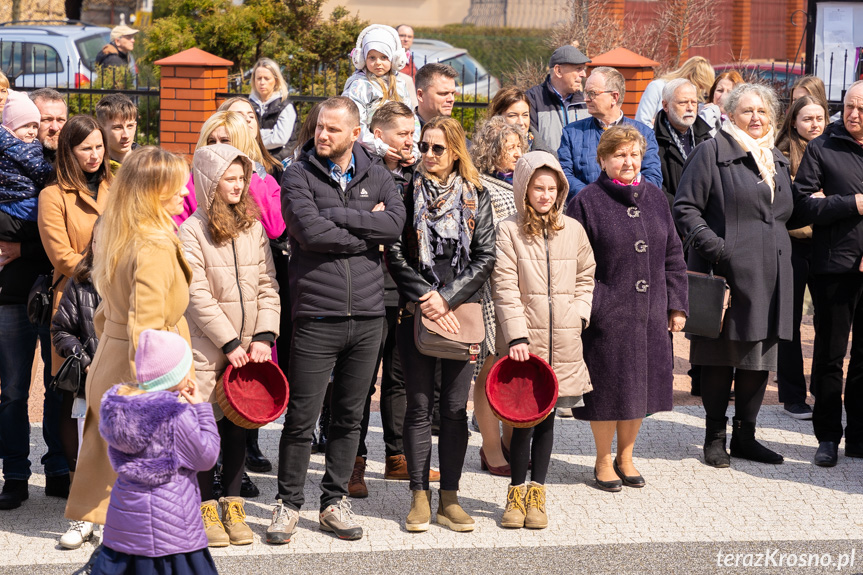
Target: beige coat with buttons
543	287
233	294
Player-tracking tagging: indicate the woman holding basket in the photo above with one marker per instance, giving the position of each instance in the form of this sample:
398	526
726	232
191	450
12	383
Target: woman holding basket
542	285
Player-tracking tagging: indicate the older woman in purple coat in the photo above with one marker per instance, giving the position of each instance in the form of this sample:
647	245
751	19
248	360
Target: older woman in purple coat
640	296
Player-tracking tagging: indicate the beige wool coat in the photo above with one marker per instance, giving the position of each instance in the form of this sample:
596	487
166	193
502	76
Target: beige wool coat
149	290
234	294
543	287
66	220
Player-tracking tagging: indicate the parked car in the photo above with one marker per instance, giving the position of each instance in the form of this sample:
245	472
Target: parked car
473	80
37	54
780	75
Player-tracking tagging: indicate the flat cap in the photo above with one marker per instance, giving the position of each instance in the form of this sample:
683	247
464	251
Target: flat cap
122	30
567	55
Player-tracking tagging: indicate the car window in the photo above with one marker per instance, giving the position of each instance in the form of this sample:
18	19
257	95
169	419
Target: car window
10	58
469	70
42	59
90	46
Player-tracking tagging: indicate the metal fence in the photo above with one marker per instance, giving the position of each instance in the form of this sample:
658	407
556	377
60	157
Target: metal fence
83	88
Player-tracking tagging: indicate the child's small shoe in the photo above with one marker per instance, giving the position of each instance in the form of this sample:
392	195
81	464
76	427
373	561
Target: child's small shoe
534	499
216	536
234	519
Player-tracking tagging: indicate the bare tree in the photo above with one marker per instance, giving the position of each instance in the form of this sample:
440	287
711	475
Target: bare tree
592	27
688	24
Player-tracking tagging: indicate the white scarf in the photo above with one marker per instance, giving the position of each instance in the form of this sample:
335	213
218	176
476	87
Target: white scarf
761	150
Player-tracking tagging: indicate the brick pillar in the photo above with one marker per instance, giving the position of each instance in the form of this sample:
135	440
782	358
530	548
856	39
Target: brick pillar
793	33
741	21
637	71
616	10
187	96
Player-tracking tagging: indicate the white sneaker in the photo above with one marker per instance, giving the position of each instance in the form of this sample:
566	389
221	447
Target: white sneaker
79	531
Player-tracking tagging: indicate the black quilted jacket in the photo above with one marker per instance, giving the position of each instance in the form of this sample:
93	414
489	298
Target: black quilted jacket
72	327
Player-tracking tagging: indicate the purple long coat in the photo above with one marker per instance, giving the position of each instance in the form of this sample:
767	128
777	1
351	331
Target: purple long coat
640	278
156	445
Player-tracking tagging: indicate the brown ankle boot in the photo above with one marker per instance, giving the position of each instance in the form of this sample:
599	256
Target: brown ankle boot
420	514
396	468
514	513
534	499
357	484
450	514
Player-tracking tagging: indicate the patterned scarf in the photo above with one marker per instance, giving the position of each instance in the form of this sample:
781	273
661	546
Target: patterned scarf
444	213
675	136
761	150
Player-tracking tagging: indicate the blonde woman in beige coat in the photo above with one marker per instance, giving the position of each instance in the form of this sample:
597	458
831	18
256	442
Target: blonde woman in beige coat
542	286
233	311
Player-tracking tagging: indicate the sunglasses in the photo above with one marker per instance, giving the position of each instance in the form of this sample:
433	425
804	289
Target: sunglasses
436	149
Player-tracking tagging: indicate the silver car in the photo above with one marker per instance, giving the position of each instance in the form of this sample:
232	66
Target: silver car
473	80
40	55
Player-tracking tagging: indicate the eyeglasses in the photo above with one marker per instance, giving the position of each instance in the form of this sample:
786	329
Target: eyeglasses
593	94
436	149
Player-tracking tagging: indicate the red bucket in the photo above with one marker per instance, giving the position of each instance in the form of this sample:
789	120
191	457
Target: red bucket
253	395
521	393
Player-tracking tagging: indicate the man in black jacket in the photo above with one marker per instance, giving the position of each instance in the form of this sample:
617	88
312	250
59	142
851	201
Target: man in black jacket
833	163
339	206
678	130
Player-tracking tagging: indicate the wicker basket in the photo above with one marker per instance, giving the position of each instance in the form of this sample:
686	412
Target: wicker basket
521	393
253	395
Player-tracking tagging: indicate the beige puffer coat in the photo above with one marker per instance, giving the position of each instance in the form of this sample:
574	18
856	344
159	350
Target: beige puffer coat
218	313
543	288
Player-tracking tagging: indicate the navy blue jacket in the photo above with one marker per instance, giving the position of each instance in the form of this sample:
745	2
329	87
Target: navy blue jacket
577	154
24	171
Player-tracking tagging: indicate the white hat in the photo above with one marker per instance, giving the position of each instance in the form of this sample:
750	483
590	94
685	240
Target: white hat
122	30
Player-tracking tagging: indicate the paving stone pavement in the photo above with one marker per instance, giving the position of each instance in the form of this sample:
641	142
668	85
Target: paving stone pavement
685	516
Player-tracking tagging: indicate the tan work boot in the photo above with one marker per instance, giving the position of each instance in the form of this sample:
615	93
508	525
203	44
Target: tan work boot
420	513
357	484
234	519
514	513
450	514
216	536
535	503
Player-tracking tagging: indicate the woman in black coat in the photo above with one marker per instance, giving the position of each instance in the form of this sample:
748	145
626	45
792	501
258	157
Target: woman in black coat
734	201
445	255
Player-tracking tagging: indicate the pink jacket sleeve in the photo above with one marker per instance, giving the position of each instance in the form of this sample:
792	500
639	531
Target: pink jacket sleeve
267	194
190	203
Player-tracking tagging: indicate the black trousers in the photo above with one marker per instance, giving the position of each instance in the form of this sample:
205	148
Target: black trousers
348	349
420	388
840	311
393	402
792	382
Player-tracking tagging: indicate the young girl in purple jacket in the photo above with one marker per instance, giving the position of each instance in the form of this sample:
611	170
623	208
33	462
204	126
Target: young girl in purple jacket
157	443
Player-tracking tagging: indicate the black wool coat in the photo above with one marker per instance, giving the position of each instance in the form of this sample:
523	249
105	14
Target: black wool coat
746	240
670	158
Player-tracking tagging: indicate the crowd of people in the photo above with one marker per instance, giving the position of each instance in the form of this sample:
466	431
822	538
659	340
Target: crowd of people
564	227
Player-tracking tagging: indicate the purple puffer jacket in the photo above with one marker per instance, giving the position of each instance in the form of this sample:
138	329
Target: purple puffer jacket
156	445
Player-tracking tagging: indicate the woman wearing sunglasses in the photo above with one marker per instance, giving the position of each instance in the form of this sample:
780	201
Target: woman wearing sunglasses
445	254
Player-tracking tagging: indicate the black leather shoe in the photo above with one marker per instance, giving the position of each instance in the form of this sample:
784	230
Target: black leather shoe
610	486
827	454
57	486
14	493
255	459
217	483
628	480
853	449
247	488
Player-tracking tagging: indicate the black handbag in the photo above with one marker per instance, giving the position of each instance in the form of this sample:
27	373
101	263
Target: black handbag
40	300
71	376
709	297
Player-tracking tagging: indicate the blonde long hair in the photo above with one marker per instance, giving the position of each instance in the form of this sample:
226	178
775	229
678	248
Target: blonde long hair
388	84
455	140
134	215
698	71
281	86
238	131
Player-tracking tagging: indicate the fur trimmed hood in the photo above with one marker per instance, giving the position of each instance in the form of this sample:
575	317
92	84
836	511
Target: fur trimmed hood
139	430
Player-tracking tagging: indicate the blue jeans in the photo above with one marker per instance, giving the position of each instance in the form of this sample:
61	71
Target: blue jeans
17	350
347	348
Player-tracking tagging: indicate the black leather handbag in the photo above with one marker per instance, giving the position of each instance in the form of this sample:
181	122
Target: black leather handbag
709	297
70	377
40	300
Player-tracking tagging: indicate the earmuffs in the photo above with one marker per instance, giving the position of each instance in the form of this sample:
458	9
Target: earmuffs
399	59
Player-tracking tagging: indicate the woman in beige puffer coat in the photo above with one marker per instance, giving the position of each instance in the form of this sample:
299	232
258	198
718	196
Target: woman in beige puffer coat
233	307
542	286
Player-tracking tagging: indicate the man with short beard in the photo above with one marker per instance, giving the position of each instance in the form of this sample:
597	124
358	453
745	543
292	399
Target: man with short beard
53	112
340	205
678	130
